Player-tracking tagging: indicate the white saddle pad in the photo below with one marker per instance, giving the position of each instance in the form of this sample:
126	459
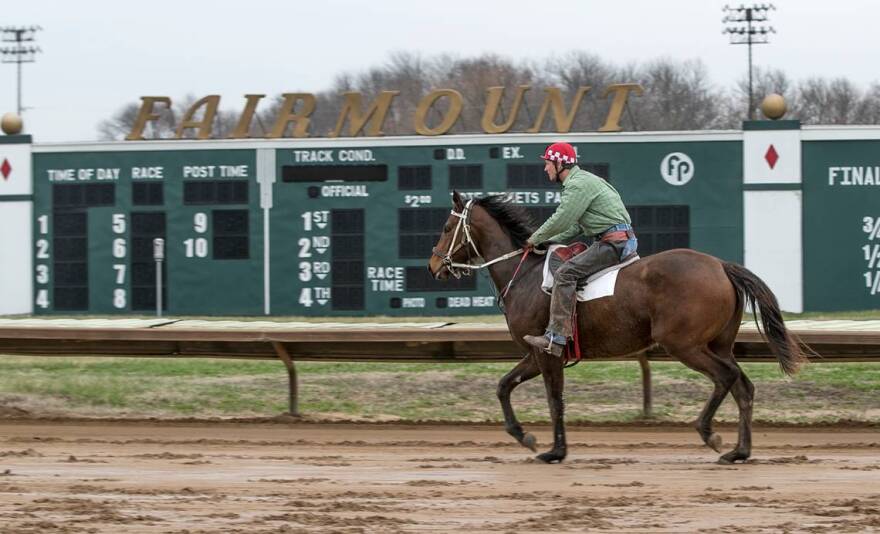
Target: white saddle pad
598	285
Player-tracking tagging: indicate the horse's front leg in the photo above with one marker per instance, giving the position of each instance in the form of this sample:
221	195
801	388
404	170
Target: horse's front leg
554	382
525	370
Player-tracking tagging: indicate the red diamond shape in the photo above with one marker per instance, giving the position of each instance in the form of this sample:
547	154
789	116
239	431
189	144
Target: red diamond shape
771	156
5	169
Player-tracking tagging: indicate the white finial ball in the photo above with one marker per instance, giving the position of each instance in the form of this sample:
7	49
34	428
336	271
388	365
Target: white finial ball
773	106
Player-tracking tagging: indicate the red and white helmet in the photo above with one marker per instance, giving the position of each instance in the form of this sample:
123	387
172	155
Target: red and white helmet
559	151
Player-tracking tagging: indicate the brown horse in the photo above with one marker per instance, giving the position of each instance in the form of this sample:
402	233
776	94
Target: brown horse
689	303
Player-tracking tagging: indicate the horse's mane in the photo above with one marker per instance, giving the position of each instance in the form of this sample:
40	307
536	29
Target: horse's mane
513	218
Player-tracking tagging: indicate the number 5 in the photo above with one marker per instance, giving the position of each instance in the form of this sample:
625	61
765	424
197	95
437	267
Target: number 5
119	223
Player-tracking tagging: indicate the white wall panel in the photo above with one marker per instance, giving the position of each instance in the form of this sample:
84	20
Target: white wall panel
16	264
773	243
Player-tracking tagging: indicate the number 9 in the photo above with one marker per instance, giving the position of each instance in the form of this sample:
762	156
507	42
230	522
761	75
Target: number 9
200	223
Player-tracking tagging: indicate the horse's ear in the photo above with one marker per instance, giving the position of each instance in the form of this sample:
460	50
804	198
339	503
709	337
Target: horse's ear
456	200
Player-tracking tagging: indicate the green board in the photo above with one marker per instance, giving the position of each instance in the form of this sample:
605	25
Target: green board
348	229
841	181
97	214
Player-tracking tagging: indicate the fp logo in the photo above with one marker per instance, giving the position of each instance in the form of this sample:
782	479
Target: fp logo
677	168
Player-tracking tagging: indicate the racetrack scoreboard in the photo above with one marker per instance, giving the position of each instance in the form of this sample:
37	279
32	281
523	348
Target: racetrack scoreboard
334	227
97	214
842	220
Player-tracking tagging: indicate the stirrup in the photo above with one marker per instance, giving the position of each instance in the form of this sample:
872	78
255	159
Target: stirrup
550	348
555	349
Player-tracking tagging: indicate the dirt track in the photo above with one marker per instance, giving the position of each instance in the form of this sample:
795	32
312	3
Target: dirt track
154	477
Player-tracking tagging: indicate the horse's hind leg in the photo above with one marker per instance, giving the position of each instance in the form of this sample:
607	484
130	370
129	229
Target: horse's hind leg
723	374
744	393
554	382
526	369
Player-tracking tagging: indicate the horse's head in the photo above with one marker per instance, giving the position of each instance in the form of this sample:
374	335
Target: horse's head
456	245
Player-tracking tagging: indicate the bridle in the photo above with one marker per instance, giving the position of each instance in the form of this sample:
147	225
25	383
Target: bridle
463	227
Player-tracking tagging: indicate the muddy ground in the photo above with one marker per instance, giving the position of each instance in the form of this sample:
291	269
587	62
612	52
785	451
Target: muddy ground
74	476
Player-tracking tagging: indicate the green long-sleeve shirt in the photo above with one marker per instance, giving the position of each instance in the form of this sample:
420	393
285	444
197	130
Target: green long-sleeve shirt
589	205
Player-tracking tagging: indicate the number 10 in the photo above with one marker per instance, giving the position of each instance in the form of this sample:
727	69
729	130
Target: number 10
197	247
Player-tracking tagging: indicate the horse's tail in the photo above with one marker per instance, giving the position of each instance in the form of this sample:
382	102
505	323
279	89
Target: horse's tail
789	350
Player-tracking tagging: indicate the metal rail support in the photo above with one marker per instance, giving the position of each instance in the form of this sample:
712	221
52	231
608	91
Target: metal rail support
293	388
159	256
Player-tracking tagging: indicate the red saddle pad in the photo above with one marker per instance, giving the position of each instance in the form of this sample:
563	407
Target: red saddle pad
567	253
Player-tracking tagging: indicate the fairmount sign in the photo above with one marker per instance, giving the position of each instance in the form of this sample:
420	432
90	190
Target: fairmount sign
297	108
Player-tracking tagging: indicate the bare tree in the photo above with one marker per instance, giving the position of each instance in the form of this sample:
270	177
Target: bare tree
580	69
473	77
823	101
678	96
868	111
120	124
844	102
410	74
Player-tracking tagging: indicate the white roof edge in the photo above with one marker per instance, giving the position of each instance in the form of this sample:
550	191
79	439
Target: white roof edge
393	141
841	132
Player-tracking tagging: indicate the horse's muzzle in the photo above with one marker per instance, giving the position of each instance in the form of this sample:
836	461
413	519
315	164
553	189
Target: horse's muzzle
442	273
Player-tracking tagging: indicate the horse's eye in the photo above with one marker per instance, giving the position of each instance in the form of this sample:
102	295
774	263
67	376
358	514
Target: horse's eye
447	229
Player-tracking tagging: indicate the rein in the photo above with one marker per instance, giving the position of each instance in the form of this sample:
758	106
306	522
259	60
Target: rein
515	272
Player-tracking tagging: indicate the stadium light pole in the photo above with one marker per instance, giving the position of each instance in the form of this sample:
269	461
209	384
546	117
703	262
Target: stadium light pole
742	30
19	52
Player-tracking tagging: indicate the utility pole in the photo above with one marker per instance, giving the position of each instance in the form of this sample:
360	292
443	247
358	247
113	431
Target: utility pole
19	53
740	25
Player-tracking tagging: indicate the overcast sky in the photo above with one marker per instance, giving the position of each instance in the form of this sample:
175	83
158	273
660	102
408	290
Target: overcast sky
98	55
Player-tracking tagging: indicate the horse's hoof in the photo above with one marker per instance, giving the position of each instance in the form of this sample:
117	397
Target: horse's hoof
732	457
550	457
530	442
715	441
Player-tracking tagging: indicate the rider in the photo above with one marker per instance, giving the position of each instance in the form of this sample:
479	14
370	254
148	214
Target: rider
590	206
